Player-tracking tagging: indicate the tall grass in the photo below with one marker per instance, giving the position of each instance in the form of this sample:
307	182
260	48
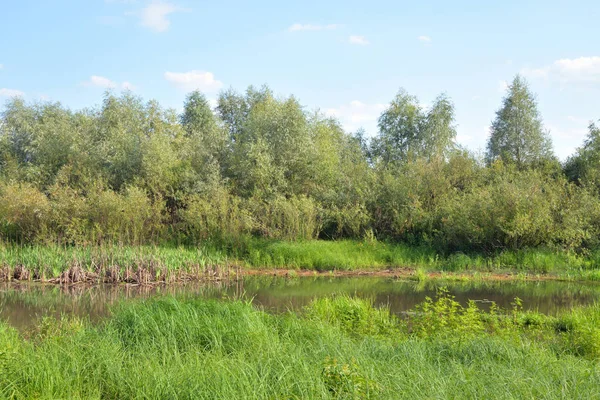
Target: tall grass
356	255
51	261
330	255
168	348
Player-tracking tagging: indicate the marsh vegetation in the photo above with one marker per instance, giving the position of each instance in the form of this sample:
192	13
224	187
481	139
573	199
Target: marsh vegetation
337	347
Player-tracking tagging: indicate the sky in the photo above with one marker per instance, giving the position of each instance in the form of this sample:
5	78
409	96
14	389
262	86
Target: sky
345	58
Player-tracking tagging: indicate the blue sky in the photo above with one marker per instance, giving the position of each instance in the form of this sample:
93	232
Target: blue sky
347	58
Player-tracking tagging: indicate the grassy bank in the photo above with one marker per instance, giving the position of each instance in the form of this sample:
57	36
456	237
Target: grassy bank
337	348
144	264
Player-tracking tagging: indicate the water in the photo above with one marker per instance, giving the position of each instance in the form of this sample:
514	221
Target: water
23	305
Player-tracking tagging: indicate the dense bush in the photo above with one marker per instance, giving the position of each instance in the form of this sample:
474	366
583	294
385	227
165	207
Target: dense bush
130	172
24	211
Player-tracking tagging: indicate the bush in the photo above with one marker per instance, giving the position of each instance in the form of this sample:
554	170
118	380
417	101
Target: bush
219	216
293	218
24	212
128	218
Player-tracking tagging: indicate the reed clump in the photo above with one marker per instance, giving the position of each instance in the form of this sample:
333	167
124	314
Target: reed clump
134	265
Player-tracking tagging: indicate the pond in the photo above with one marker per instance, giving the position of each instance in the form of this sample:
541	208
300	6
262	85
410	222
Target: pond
22	305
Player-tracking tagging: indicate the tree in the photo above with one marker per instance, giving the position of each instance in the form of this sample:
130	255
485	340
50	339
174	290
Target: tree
405	129
517	134
234	108
197	116
276	132
41	138
584	166
208	137
399	128
437	134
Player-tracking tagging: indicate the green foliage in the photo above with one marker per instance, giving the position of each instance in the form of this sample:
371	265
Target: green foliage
582	167
579	332
219	216
259	165
49	261
444	316
399	125
291	219
332	255
353	315
438	133
517	135
195	348
24	212
406	131
346	381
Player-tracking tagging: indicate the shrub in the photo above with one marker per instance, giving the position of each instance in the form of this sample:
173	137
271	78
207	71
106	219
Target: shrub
24	212
220	215
293	218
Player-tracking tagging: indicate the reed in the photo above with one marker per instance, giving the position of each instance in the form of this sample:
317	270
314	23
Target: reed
224	259
112	264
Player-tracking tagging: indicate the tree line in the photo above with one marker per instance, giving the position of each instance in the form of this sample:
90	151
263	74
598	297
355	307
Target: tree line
129	171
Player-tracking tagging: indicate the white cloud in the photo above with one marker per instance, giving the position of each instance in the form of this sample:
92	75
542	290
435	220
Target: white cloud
1	66
4	92
357	115
424	39
105	83
155	15
194	80
100	81
311	27
359	40
582	70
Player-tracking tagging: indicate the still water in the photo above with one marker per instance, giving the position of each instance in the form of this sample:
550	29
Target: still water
22	305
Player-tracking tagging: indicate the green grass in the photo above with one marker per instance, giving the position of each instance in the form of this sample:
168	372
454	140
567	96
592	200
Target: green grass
338	347
48	261
353	255
329	255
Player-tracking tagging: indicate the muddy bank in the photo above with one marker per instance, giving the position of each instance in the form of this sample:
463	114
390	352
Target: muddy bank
413	274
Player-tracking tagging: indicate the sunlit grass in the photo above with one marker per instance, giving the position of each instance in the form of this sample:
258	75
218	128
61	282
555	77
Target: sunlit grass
50	261
339	347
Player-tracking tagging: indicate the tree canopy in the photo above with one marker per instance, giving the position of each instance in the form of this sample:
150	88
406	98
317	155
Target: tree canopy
257	164
517	133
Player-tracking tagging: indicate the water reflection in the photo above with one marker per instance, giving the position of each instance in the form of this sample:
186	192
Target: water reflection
22	305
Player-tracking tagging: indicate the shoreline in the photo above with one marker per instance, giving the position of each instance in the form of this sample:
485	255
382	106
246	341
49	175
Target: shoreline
416	274
170	264
144	277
